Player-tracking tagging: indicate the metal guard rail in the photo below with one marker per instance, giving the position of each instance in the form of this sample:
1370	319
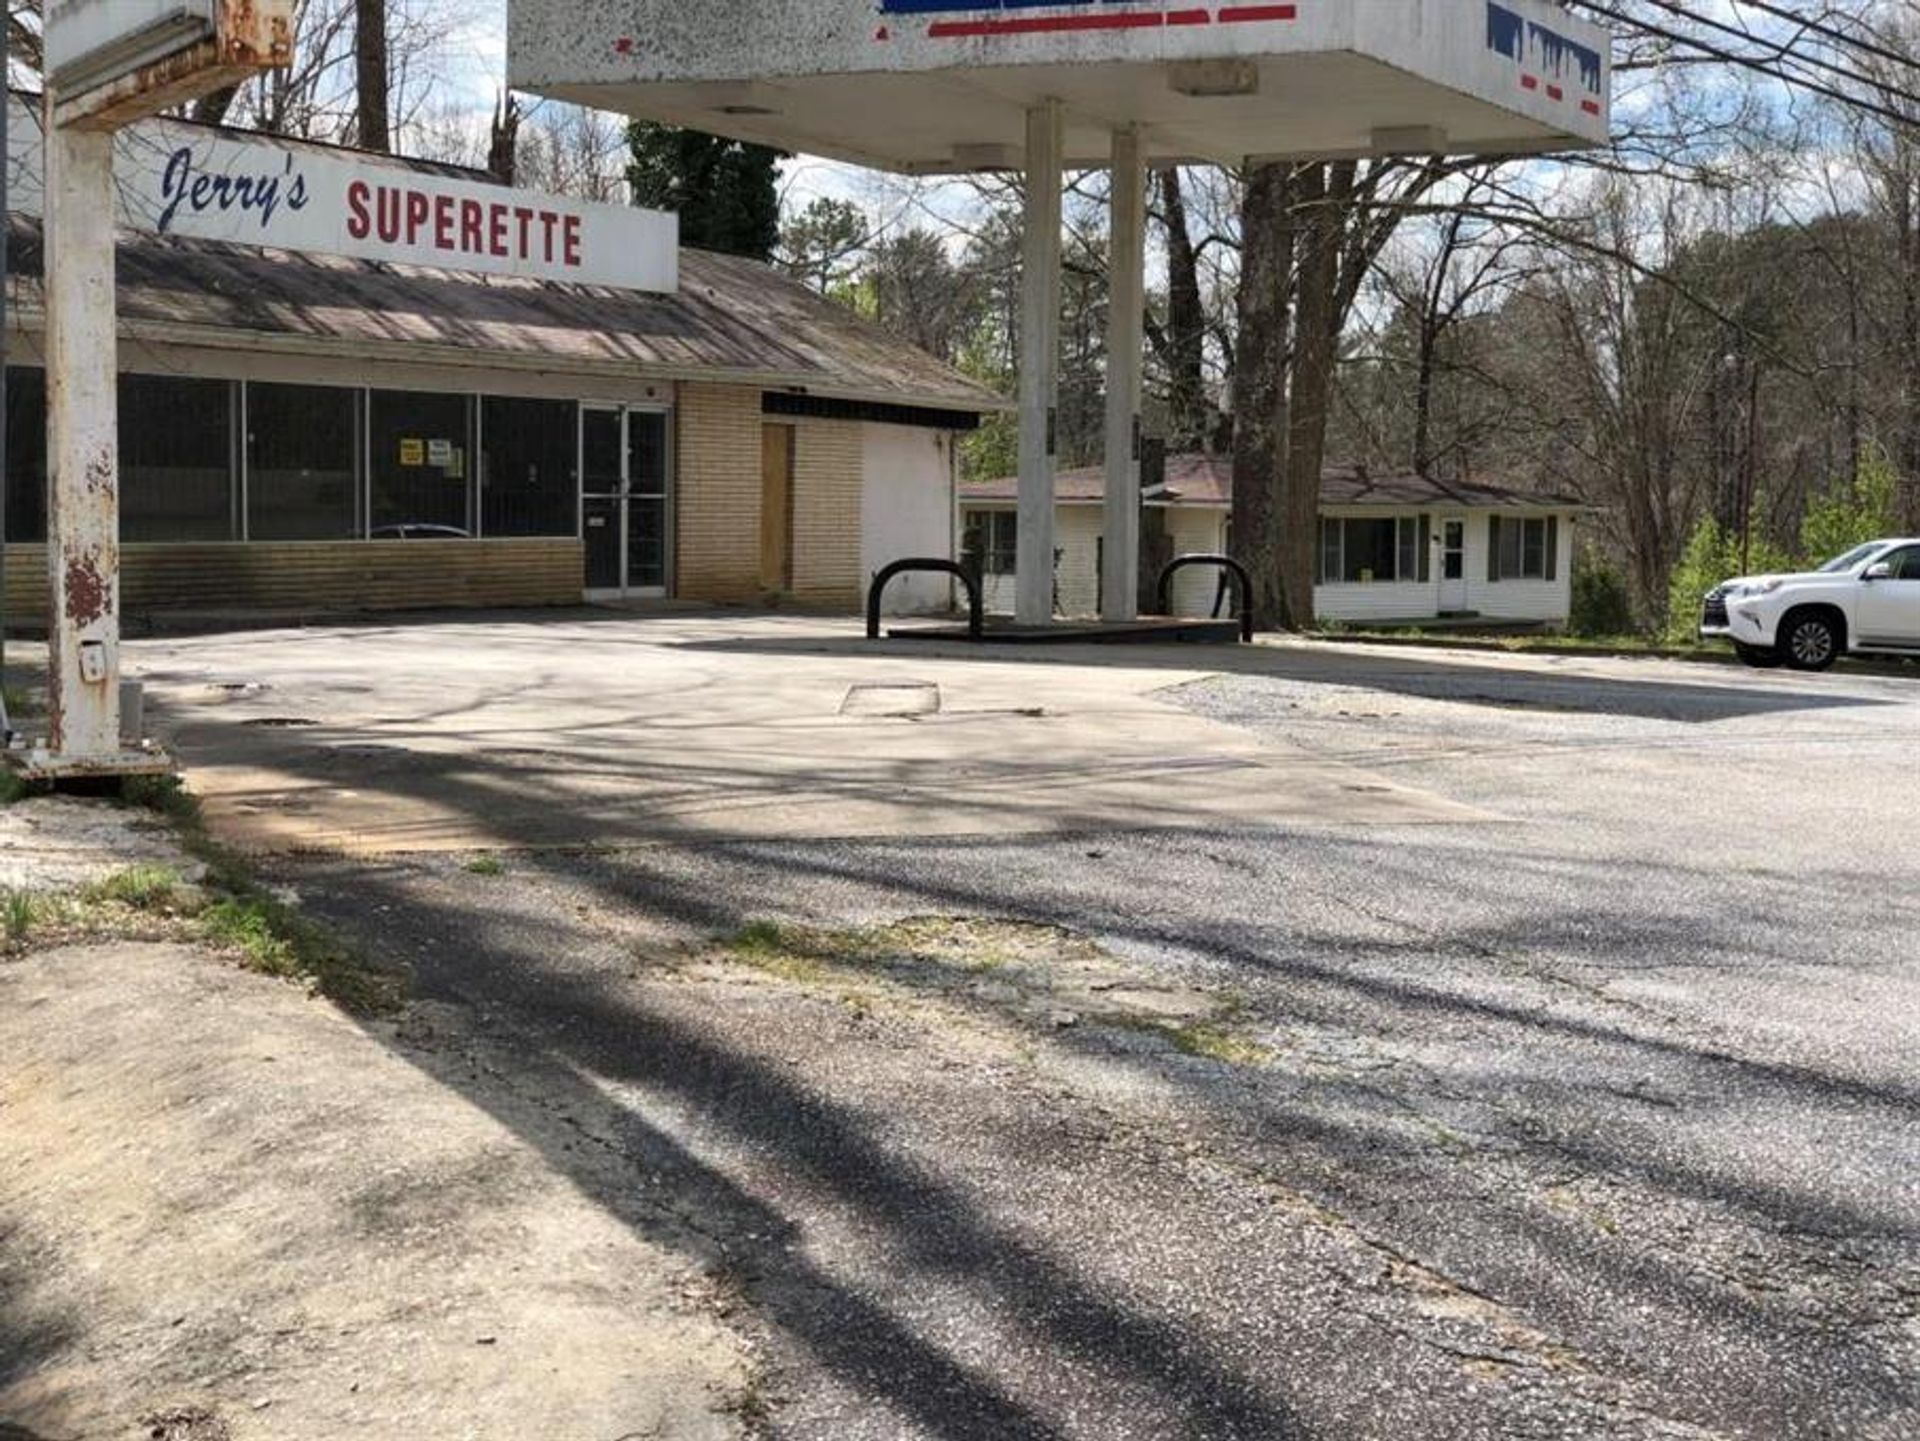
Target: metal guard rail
1224	562
976	603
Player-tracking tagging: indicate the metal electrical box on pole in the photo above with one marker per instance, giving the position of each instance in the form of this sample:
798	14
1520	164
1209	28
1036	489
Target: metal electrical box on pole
109	63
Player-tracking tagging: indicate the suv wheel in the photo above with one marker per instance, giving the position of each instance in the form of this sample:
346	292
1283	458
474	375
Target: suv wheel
1760	657
1809	640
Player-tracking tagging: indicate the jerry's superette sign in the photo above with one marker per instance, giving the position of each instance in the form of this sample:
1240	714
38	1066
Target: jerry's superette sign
184	180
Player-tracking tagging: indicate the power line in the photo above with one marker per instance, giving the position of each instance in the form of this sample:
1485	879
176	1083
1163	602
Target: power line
1753	63
1784	50
1831	32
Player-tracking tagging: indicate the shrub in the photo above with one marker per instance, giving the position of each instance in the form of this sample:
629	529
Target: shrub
1601	605
1851	513
1712	555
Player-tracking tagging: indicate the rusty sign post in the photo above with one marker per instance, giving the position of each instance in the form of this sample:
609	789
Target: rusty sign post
109	63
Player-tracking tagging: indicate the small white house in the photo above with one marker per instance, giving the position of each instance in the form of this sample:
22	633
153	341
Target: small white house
1392	548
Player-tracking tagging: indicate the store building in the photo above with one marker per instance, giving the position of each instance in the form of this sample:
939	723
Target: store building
417	389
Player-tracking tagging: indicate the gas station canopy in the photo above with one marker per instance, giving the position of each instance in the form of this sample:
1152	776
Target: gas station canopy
938	86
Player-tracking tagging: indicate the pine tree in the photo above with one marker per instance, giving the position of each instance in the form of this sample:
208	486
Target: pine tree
724	191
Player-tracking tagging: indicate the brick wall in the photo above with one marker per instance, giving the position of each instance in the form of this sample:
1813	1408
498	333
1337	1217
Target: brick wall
717	504
829	463
316	576
717	542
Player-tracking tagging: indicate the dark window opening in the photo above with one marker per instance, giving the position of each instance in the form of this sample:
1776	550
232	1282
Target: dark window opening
26	455
529	477
1373	551
176	459
420	448
302	471
1523	549
992	541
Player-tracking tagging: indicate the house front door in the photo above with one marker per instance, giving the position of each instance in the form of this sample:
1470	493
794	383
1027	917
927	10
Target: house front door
1453	563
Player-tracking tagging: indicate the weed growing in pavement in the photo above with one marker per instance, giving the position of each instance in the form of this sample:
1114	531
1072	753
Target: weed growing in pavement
243	916
157	889
21	909
1215	1042
485	866
13	789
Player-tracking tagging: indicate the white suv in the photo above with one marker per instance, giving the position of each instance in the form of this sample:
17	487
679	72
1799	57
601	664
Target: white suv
1866	601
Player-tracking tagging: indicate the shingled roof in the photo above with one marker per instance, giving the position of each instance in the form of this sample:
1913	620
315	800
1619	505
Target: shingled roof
1207	480
732	320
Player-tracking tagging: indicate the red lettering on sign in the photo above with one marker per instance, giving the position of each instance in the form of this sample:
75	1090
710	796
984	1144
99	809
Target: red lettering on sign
573	241
547	221
419	207
497	231
388	209
443	222
525	217
359	223
472	214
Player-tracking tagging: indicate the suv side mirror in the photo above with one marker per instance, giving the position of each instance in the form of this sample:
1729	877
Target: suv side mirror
1881	570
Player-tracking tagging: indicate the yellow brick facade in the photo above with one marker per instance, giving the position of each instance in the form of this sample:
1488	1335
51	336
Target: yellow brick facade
829	463
717	493
717	533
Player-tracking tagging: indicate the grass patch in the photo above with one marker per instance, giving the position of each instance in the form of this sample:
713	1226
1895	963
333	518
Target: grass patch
788	952
143	888
1215	1042
485	866
242	916
19	911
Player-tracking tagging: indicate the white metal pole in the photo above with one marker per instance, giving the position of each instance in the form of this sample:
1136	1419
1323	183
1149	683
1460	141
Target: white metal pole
1126	311
1039	365
83	516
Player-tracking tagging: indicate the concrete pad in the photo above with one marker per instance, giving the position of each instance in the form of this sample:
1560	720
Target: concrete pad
584	730
228	1205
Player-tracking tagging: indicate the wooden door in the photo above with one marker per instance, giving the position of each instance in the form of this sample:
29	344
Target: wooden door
776	507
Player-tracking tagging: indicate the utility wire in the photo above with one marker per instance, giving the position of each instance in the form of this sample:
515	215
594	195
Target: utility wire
1750	62
1784	50
1831	32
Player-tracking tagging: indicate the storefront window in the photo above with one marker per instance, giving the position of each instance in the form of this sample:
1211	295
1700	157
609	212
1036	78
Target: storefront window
26	455
302	441
176	458
529	473
420	446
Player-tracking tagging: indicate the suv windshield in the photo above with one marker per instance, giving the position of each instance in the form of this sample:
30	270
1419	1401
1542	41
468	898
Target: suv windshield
1842	563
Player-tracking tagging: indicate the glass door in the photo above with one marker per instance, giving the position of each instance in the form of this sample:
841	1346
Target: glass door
603	498
626	501
649	503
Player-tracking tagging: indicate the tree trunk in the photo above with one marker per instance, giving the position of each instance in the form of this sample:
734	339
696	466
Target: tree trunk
1259	384
503	140
1322	193
1188	418
370	75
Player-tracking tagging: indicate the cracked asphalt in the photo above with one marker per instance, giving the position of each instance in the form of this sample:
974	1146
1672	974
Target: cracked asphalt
1597	1118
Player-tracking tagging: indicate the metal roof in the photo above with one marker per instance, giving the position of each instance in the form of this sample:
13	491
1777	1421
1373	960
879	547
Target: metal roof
732	320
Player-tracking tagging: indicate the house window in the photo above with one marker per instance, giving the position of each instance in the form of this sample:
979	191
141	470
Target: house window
1374	550
992	540
1523	549
303	470
176	459
530	465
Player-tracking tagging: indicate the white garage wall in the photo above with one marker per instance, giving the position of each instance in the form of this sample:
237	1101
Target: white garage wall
906	509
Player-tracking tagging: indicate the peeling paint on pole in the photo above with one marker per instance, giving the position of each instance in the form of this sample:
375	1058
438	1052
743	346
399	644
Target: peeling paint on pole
83	512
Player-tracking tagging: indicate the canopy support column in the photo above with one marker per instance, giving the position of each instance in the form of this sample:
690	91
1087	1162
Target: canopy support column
83	514
1126	310
1039	365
